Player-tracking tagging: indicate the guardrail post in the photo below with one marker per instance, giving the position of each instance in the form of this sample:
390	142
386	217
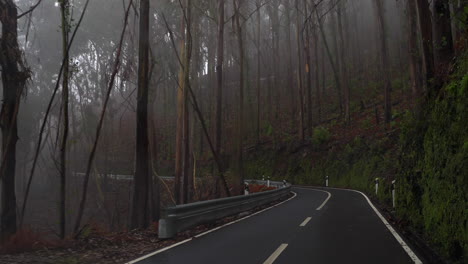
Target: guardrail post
393	192
166	228
376	185
326	181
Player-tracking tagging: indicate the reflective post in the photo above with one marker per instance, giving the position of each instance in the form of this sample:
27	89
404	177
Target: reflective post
376	186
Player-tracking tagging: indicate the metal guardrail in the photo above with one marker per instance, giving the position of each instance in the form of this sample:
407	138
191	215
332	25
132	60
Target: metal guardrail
276	184
181	217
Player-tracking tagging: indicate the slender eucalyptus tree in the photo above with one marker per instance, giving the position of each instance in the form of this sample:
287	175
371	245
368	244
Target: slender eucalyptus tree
140	213
385	62
65	14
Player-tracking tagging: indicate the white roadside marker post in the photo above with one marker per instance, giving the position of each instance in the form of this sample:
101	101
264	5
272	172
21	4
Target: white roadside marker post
376	186
393	192
268	182
246	189
284	183
326	181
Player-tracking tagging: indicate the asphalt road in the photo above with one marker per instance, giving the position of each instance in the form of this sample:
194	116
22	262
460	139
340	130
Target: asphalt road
345	230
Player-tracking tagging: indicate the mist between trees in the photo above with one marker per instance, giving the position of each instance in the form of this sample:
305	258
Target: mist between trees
101	98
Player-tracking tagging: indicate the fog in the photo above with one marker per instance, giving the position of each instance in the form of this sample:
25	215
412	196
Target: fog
272	90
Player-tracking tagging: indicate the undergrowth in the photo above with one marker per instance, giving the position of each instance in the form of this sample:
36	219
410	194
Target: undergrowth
425	151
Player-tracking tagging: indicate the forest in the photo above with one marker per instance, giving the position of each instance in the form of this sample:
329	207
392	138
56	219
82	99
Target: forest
113	110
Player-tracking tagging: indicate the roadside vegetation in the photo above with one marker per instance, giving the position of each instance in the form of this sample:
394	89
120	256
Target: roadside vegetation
425	151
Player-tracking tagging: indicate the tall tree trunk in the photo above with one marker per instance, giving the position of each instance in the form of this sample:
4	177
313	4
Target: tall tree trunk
316	70
219	90
186	137
14	75
308	71
290	78
259	27
299	73
414	56
65	13
385	62
240	131
330	58
344	61
337	59
140	215
179	147
196	67
274	110
425	25
443	41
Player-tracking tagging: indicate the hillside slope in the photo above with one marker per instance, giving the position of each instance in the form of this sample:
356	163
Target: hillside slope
426	153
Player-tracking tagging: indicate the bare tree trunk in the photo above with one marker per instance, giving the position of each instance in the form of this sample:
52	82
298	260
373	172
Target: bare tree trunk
156	183
259	24
415	61
186	137
240	131
179	149
324	68
343	65
65	12
338	62
425	25
330	58
219	90
316	70
308	64
140	215
14	75
196	67
384	61
290	81
299	74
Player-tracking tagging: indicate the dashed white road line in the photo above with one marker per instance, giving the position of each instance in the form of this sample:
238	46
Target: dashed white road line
306	221
276	254
207	232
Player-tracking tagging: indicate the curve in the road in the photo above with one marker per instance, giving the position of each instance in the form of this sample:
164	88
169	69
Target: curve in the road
400	240
209	231
346	229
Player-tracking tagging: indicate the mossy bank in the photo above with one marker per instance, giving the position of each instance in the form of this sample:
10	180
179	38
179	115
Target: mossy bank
426	153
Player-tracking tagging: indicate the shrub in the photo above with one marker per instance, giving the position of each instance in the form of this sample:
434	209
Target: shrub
321	135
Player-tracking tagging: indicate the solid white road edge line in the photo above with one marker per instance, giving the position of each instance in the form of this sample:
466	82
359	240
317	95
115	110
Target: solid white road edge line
324	202
207	232
159	251
400	240
276	254
306	221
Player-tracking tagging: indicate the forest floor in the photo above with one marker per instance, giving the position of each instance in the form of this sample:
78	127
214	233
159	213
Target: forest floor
97	246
